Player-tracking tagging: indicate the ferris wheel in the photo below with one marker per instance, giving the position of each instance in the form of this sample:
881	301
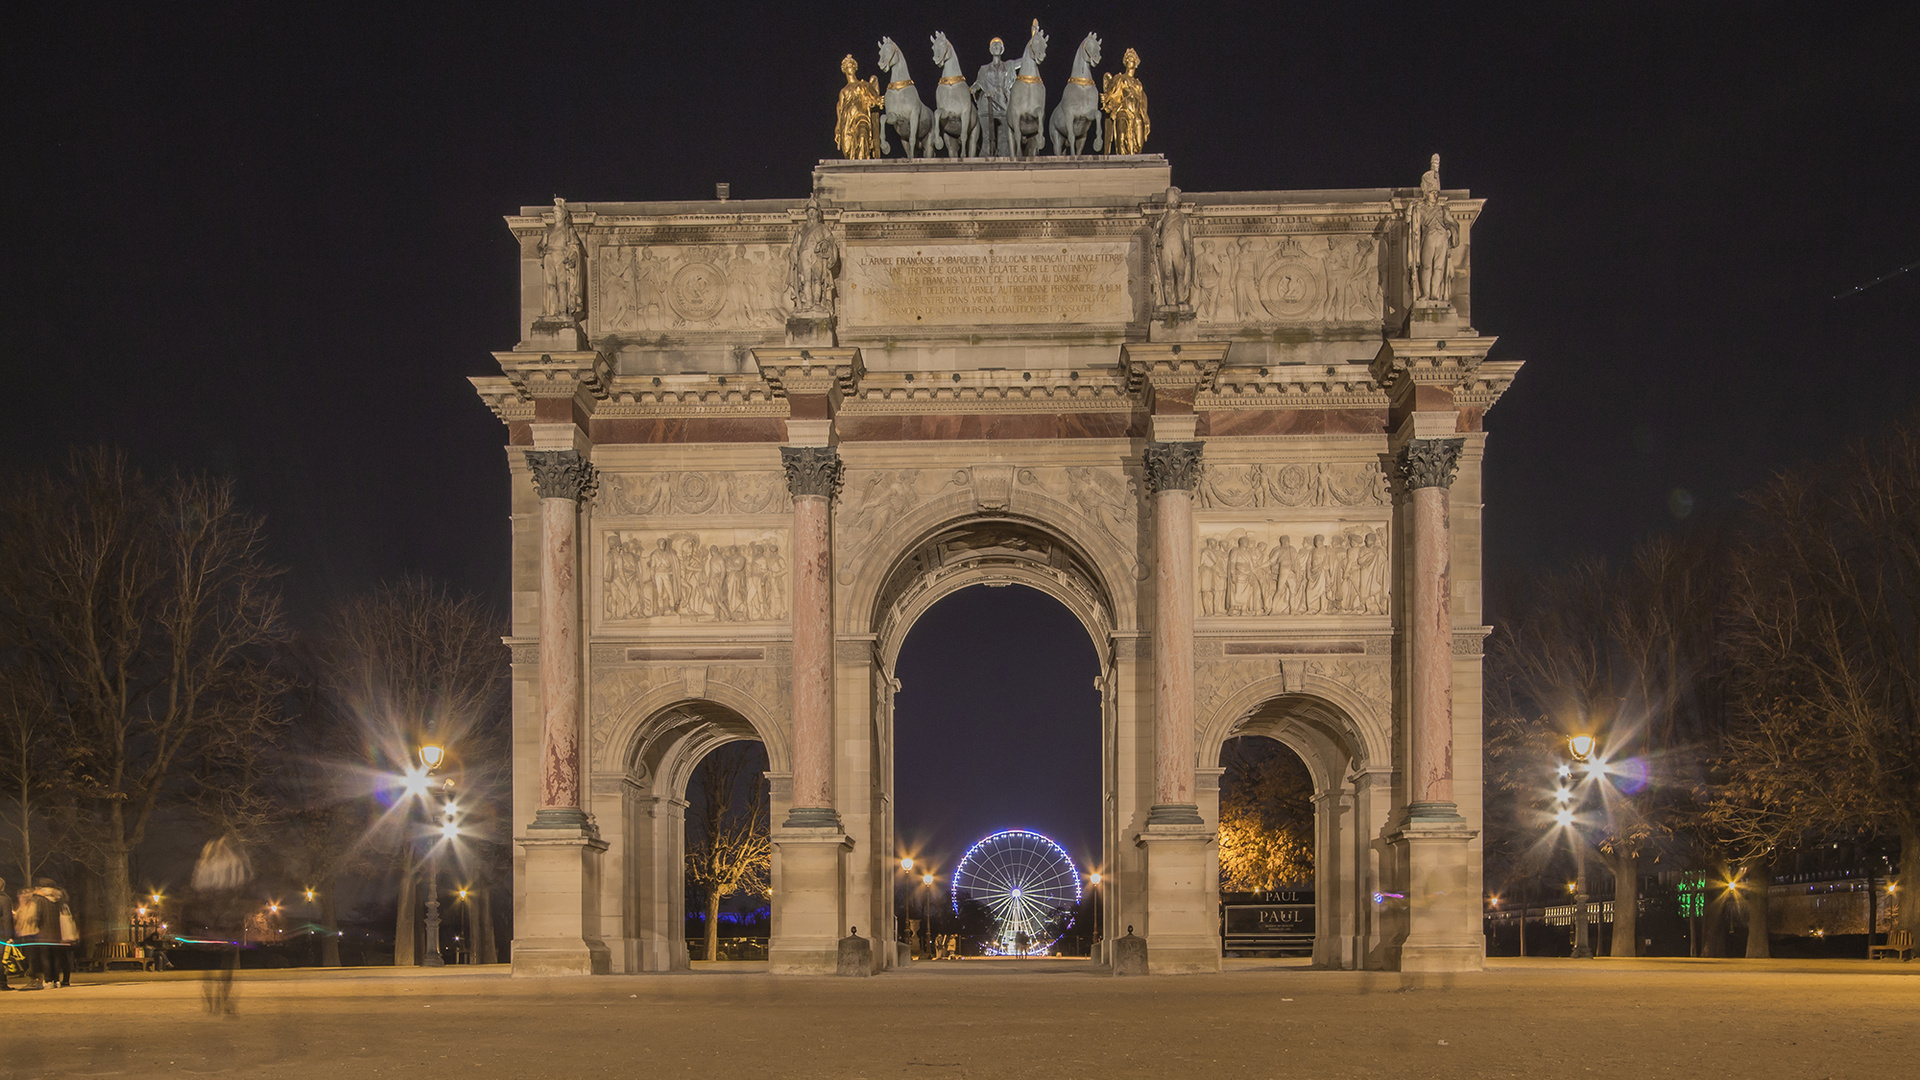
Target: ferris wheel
1025	880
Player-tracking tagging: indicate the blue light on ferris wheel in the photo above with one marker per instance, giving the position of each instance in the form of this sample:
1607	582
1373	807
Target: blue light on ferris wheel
1025	879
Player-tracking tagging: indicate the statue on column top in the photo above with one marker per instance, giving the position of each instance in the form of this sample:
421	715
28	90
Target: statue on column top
813	258
853	116
1433	235
992	89
1125	102
563	259
1173	256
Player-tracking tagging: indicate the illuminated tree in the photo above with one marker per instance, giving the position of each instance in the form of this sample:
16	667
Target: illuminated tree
1266	816
729	849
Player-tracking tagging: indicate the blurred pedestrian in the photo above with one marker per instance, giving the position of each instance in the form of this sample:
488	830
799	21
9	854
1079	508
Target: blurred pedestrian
6	935
65	934
36	924
218	876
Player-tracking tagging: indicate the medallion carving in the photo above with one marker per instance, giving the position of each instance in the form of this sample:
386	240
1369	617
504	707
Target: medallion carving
1293	570
713	286
692	577
1289	280
1313	483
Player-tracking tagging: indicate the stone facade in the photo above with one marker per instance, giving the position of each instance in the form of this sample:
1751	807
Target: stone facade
772	433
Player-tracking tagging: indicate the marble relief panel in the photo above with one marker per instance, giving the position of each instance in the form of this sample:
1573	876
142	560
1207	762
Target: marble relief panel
1292	568
872	500
693	492
1288	279
709	287
694	576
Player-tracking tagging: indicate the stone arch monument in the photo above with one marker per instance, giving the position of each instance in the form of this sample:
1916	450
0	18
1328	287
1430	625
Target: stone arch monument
1238	435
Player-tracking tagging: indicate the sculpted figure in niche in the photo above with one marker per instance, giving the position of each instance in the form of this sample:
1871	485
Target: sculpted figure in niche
563	259
853	116
1435	235
812	261
992	91
1125	102
1173	255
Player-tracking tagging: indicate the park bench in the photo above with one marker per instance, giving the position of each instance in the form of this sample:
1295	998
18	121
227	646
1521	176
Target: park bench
120	953
1899	943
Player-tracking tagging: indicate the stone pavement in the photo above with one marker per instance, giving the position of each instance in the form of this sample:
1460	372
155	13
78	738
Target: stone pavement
1532	1018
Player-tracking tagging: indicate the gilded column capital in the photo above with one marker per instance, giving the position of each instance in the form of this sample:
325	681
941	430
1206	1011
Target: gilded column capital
562	474
1172	466
1425	463
812	470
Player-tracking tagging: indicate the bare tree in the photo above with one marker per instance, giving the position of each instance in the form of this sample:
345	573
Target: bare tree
729	850
30	753
407	664
1826	631
151	614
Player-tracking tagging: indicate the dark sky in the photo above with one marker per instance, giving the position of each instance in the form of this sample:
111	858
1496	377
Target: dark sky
266	238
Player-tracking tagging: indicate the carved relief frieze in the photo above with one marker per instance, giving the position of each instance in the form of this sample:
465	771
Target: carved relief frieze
691	577
1313	483
614	688
1292	569
1368	678
1216	681
873	500
1288	279
640	288
1107	497
693	492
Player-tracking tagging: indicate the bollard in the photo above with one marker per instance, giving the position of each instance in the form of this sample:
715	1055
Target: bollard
856	955
1130	955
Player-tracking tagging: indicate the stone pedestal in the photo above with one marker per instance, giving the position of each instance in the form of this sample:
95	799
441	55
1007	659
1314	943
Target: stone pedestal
1182	931
1443	906
811	907
558	933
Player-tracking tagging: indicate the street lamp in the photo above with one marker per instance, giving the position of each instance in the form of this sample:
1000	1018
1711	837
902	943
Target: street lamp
1581	747
431	757
1093	880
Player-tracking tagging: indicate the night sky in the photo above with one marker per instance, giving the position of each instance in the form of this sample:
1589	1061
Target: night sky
266	240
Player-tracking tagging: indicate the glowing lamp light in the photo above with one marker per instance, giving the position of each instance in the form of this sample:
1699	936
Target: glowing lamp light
431	756
273	909
1093	878
1581	746
1496	901
449	830
415	782
1564	795
906	865
156	898
1570	886
1564	817
927	880
1595	768
463	894
140	911
1564	772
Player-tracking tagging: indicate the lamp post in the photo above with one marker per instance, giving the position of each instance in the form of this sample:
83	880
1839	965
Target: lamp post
1093	879
906	905
1581	747
926	915
431	755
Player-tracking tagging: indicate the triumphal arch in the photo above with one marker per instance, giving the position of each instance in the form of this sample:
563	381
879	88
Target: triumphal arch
1238	434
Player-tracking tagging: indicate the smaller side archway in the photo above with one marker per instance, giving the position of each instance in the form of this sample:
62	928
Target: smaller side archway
642	810
1349	807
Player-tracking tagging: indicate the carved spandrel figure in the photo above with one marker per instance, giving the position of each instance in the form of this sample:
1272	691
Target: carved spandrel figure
1125	102
563	259
812	260
853	130
1173	255
1435	234
992	89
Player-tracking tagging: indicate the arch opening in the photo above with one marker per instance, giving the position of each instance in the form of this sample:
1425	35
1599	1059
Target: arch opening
997	725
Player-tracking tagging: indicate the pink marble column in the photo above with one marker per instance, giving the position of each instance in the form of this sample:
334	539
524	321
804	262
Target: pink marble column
563	478
813	476
1173	468
1426	468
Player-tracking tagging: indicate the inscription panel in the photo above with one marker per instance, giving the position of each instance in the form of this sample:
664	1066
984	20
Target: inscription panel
980	284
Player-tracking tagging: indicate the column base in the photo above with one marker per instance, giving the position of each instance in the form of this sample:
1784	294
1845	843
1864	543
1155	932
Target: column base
813	817
1443	918
1174	814
808	920
558	933
1182	931
568	818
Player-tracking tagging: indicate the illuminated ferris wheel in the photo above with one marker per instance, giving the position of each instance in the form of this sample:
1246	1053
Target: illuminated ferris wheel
1025	880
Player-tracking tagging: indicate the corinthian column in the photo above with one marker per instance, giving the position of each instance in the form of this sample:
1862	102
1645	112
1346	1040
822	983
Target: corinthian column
563	478
813	476
1173	468
1426	468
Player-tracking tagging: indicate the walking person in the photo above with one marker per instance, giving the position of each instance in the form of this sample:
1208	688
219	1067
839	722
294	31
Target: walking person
32	916
66	934
219	875
6	935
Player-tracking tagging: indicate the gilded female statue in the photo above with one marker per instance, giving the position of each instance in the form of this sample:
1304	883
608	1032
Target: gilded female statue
1125	102
853	116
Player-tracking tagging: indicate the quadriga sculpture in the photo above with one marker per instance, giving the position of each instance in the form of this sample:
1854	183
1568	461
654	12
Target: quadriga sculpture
906	114
956	125
1075	123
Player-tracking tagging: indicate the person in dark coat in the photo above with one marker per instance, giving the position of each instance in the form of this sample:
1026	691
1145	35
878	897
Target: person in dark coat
6	932
61	934
37	924
220	909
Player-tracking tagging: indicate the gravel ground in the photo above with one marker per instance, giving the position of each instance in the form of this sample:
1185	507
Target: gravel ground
1532	1018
